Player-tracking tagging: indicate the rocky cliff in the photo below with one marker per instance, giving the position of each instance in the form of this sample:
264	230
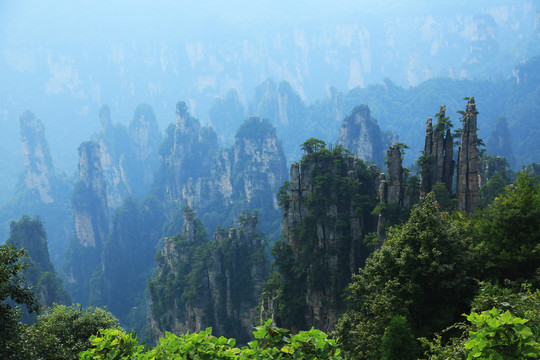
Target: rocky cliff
499	142
467	169
90	198
40	189
361	134
91	217
186	153
244	177
145	139
326	212
29	234
437	161
392	189
38	166
129	157
202	283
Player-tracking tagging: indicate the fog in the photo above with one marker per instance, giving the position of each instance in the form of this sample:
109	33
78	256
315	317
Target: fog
64	59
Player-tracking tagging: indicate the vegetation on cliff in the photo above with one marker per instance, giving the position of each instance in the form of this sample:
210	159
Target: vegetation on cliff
327	209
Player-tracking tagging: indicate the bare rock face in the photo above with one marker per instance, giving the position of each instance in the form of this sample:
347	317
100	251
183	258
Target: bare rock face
91	216
467	172
128	157
361	134
227	276
395	176
90	198
39	170
145	139
438	163
111	140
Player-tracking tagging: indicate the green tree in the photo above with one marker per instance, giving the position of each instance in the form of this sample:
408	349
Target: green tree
501	336
30	234
508	233
64	331
420	272
497	326
398	341
313	145
13	287
443	197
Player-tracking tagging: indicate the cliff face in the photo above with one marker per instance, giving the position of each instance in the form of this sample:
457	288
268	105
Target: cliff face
91	215
129	157
145	139
29	234
323	227
39	170
467	170
438	163
209	283
499	142
90	198
246	176
186	153
361	134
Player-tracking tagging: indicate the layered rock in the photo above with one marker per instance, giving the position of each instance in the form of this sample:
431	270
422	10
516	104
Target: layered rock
361	134
467	169
39	170
209	283
438	162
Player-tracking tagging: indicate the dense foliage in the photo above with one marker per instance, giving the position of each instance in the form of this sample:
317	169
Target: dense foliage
504	323
128	261
62	332
420	272
194	271
29	234
270	343
341	195
12	286
508	233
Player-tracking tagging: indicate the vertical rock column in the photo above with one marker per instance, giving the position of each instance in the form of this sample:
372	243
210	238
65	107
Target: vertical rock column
438	165
90	198
39	170
467	177
91	215
395	176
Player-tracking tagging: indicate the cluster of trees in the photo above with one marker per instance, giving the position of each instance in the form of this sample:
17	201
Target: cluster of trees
61	332
431	270
71	332
434	266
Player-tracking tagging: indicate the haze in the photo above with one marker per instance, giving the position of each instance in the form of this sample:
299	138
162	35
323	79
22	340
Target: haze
64	59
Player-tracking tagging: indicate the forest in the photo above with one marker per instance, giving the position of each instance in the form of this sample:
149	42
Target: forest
307	183
435	261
